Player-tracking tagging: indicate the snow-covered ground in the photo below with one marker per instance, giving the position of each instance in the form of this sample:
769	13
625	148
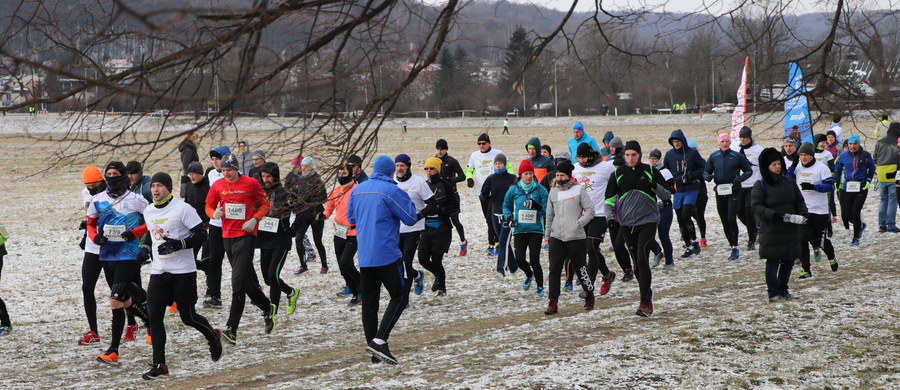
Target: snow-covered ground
712	327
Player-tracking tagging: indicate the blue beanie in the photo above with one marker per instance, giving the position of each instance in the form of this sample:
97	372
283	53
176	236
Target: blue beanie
383	165
402	158
578	126
691	143
853	139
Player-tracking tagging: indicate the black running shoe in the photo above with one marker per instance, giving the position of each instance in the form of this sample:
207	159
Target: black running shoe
629	275
375	360
751	246
834	264
230	335
215	346
157	371
271	318
213	302
382	352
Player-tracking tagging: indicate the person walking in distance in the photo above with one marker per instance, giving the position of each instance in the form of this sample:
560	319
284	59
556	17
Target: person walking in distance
240	203
506	126
815	181
345	243
779	208
377	207
569	209
480	166
631	197
215	243
523	209
493	192
727	169
275	238
453	173
856	167
419	192
174	228
749	149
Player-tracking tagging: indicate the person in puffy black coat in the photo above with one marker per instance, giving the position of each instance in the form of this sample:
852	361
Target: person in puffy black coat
188	151
779	242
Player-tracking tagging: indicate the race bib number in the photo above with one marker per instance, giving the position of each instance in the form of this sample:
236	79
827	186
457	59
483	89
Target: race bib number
527	216
341	230
853	186
724	189
114	232
268	224
235	211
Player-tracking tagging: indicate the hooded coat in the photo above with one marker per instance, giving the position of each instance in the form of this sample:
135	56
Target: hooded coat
245	161
887	155
772	196
542	164
585	139
680	161
188	152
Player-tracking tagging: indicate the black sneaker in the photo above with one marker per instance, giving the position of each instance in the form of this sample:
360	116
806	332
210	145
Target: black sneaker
230	335
215	346
381	352
354	301
751	246
882	229
271	318
157	371
213	302
688	253
834	264
629	275
787	297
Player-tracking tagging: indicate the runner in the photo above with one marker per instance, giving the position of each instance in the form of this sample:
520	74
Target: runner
727	169
542	164
594	175
114	222
257	158
857	168
419	192
344	234
824	156
833	145
524	210
174	228
778	206
436	237
309	249
887	157
815	181
569	210
478	169
493	192
550	178
665	216
195	195
579	136
837	121
307	197
215	244
188	151
453	173
607	137
749	149
616	243
789	153
354	162
702	200
240	203
243	156
140	183
687	167
631	197
377	207
547	151
275	238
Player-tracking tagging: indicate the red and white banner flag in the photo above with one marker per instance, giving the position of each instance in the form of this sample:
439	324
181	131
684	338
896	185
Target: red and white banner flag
739	116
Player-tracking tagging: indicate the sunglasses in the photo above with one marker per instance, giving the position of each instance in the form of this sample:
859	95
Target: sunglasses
482	143
430	169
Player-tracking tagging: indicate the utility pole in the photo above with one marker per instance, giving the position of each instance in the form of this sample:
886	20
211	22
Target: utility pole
555	92
523	93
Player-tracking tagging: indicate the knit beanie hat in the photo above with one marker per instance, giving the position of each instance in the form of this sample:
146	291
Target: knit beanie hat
117	165
258	153
578	126
633	145
134	168
584	150
604	151
484	138
434	162
441	144
745	132
565	167
383	165
655	153
547	147
722	137
853	139
564	155
91	174
308	160
526	166
402	158
807	148
617	143
229	161
608	137
162	178
501	158
354	159
195	167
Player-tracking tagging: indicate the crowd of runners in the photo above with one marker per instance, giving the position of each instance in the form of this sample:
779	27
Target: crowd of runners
569	205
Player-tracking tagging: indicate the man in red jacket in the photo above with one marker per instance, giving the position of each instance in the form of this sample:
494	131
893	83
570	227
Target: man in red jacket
240	202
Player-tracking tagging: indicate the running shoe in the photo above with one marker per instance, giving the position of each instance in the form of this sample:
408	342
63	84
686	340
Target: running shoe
539	292
271	318
344	292
464	248
817	254
230	335
89	337
213	302
607	282
382	352
703	243
215	346
111	358
527	283
419	282
833	219
492	250
657	259
834	264
775	298
589	302
292	301
551	308
568	287
787	297
157	371
645	309
130	333
804	275
629	275
751	246
735	254
669	266
862	230
354	301
582	295
148	339
174	308
6	330
323	270
688	253
577	282
301	269
855	242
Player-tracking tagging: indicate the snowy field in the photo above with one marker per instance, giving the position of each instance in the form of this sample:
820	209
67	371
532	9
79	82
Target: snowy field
712	326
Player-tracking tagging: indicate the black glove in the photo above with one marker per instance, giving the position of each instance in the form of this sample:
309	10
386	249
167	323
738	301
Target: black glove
710	177
82	225
127	236
737	183
513	223
100	239
419	216
81	243
531	204
688	177
170	246
143	254
778	216
470	183
807	186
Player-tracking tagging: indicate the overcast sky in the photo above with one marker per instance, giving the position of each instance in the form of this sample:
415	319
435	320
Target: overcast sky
715	6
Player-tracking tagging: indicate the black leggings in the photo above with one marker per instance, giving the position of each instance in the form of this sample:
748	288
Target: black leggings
432	247
851	209
345	250
700	211
488	218
685	224
161	291
575	251
815	233
90	274
639	239
317	227
594	231
619	248
121	276
454	218
409	242
243	279
726	205
745	213
532	243
271	261
4	314
216	245
393	277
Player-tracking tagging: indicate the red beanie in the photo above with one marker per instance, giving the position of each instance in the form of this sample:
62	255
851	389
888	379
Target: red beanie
526	166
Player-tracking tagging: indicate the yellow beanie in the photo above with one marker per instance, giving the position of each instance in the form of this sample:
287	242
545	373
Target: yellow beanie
435	163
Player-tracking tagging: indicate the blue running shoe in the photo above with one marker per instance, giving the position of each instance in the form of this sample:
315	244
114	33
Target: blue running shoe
344	292
855	242
577	282
568	287
735	254
527	283
540	292
418	283
582	295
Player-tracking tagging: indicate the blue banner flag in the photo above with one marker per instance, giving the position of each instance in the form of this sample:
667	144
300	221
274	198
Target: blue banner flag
796	108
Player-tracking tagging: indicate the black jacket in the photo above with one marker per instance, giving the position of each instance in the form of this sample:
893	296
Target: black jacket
195	195
278	208
451	171
307	194
770	199
188	155
494	189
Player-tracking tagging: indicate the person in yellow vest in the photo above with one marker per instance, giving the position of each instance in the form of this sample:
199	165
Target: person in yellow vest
883	125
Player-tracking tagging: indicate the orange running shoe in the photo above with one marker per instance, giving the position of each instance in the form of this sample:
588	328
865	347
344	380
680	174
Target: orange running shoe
149	339
173	308
111	358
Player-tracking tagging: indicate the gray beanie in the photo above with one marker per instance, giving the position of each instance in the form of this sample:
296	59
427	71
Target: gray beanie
500	158
807	148
195	167
230	161
655	153
259	153
617	143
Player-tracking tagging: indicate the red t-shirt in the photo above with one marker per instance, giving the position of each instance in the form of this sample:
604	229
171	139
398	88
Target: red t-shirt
241	200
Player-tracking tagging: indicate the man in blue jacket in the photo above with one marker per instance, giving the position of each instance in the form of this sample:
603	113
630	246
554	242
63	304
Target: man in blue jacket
857	168
686	167
579	136
376	207
727	169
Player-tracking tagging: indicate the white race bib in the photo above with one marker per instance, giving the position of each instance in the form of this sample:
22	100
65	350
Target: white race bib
268	224
114	232
235	211
527	216
341	230
853	186
724	189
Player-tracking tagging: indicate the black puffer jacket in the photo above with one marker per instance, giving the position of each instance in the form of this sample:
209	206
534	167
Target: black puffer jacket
771	198
307	194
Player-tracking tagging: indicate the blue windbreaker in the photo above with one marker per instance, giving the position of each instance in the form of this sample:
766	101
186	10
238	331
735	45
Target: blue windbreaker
514	201
573	145
376	207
